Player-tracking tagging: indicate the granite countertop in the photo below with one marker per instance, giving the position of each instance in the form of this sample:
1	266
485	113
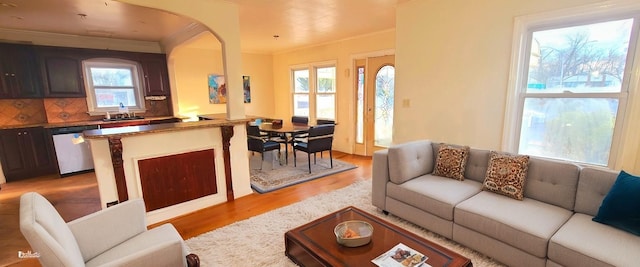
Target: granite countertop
82	123
164	127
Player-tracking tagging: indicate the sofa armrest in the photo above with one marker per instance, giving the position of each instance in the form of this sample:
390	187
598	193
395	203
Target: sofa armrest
111	226
379	178
410	160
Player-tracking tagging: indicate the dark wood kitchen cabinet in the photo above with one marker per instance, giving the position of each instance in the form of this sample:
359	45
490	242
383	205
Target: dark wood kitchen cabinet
156	76
26	153
61	70
19	76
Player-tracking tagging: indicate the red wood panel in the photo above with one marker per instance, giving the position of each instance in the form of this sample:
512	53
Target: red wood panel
178	178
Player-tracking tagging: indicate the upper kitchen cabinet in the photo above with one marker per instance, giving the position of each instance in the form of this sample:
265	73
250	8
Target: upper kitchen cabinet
19	76
61	71
156	77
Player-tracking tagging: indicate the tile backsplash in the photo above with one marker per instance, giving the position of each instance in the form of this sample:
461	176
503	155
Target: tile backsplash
15	112
22	112
66	110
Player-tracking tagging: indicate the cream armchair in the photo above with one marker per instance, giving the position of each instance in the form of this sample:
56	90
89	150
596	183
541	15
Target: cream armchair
116	236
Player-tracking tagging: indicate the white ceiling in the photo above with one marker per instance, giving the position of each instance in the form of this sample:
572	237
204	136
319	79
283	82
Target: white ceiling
298	23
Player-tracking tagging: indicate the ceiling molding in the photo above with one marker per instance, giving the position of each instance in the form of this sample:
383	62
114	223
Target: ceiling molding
69	40
182	36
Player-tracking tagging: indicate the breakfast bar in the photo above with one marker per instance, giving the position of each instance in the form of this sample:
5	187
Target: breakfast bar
177	168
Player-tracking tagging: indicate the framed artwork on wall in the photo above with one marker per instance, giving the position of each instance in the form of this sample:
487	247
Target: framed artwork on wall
246	86
217	89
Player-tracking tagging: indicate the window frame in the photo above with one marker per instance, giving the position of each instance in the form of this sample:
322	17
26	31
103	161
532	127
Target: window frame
313	93
524	26
136	74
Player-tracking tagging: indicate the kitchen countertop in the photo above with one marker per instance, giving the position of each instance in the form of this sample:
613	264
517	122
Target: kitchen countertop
82	123
164	127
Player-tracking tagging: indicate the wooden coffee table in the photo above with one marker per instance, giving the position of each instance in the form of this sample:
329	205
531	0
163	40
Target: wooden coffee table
314	244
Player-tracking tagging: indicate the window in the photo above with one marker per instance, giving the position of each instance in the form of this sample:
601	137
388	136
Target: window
110	82
571	87
314	91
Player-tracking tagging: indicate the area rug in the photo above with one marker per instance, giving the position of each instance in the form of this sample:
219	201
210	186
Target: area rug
268	174
259	241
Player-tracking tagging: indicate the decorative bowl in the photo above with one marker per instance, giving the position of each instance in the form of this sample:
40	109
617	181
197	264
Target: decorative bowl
353	233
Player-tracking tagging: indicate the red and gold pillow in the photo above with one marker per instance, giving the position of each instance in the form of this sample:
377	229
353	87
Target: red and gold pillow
506	174
451	161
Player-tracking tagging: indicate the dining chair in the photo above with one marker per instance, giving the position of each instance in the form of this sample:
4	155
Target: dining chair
324	121
299	120
320	138
258	142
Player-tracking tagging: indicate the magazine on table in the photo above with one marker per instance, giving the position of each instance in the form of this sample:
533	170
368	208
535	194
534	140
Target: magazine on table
401	256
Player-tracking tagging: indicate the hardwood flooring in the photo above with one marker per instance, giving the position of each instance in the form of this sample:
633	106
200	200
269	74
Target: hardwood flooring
77	195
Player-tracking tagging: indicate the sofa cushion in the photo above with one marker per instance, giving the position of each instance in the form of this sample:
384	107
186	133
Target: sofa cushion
583	242
527	224
451	161
593	185
434	194
506	174
621	207
410	160
477	164
552	181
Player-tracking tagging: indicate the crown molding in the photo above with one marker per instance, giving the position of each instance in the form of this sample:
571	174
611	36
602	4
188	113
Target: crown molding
78	41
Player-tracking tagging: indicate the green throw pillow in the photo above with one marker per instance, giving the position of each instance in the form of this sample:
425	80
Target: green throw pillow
620	208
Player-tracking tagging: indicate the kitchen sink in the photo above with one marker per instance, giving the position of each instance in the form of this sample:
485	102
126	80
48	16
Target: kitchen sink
124	118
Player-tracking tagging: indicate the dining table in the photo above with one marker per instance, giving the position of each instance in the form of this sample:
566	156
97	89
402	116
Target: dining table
287	130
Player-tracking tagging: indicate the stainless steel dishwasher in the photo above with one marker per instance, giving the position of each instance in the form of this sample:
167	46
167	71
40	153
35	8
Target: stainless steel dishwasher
72	152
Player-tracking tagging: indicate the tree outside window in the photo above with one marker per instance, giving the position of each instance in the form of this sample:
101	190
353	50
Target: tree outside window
573	91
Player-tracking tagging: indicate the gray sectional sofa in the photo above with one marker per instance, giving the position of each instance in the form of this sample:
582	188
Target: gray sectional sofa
551	226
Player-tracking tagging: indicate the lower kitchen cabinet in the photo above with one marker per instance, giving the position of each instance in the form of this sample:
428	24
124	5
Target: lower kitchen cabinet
26	153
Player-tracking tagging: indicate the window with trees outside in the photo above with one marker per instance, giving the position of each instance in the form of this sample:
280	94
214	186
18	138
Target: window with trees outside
314	91
110	82
572	88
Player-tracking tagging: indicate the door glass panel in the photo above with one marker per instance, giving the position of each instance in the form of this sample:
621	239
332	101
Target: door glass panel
385	80
360	107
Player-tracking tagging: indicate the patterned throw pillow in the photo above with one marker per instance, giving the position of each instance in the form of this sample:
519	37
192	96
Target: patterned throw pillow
451	161
506	174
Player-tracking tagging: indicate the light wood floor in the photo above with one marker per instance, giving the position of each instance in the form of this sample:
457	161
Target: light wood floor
77	195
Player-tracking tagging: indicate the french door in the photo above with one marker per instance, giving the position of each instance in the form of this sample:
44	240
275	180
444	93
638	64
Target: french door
375	84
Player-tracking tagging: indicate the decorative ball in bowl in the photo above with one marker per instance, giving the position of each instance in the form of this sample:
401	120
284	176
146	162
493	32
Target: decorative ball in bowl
353	233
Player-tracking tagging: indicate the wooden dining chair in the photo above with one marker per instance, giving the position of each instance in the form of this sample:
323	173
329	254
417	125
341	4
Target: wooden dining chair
320	138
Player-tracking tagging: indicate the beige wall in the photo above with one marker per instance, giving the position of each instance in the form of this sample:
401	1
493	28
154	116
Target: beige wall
191	64
343	52
453	65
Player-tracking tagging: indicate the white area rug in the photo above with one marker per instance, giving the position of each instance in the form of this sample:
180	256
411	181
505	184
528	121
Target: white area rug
259	241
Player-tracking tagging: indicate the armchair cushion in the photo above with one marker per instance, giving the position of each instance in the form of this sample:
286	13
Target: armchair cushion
160	246
111	226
